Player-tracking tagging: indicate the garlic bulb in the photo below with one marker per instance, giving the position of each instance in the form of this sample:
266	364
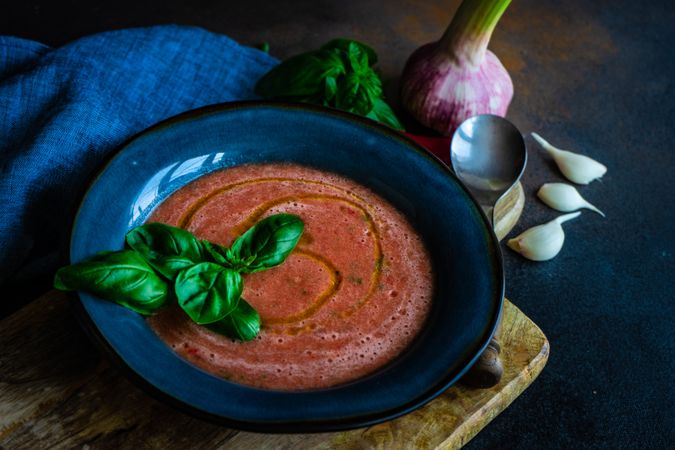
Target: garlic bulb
565	198
542	242
445	82
578	168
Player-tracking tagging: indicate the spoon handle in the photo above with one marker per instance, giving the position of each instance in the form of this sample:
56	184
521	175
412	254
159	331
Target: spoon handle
488	370
489	212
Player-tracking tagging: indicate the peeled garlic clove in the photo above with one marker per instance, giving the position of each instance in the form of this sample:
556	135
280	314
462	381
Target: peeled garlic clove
578	168
542	242
564	197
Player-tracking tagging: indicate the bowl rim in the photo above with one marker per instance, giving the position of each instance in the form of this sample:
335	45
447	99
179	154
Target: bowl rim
316	426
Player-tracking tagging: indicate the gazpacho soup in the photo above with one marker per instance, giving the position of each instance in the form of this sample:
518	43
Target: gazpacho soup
348	300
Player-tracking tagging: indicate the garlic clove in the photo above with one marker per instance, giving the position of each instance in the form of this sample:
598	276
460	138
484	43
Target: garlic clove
577	168
564	197
542	242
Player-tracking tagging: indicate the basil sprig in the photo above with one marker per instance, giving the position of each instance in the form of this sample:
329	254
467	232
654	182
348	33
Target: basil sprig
163	262
339	74
265	245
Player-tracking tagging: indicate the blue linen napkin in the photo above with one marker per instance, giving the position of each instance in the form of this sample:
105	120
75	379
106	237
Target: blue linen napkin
63	110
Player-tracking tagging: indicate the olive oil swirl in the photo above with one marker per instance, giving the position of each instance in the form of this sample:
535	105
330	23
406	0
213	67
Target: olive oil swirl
335	277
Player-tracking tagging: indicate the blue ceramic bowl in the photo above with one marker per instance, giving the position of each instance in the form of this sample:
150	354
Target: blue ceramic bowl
464	251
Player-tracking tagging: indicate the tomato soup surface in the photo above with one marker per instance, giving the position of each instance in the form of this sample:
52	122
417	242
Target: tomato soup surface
348	300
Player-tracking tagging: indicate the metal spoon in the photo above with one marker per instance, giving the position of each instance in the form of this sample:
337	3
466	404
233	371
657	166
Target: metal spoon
488	154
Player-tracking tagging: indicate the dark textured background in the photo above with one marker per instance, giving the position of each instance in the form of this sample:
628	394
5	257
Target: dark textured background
592	76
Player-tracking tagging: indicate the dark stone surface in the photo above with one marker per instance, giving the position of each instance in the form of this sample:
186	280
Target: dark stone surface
595	77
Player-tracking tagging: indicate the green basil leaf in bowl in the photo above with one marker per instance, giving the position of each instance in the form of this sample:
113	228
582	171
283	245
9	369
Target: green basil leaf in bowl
208	292
168	249
123	277
243	323
216	253
267	243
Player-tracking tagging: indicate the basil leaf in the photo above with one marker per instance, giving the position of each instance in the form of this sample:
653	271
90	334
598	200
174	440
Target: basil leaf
301	75
353	95
208	292
123	277
372	83
342	45
381	112
243	323
358	59
330	89
267	243
168	249
217	253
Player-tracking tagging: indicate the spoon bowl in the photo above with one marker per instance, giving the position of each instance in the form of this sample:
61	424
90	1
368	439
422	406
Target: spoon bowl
488	154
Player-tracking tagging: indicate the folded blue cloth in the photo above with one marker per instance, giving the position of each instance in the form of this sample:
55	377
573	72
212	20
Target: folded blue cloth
63	110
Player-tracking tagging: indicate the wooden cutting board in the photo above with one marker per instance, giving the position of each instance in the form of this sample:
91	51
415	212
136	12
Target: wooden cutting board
56	391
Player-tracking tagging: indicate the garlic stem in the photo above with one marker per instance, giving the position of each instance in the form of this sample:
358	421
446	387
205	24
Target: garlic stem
542	242
469	33
577	168
564	197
